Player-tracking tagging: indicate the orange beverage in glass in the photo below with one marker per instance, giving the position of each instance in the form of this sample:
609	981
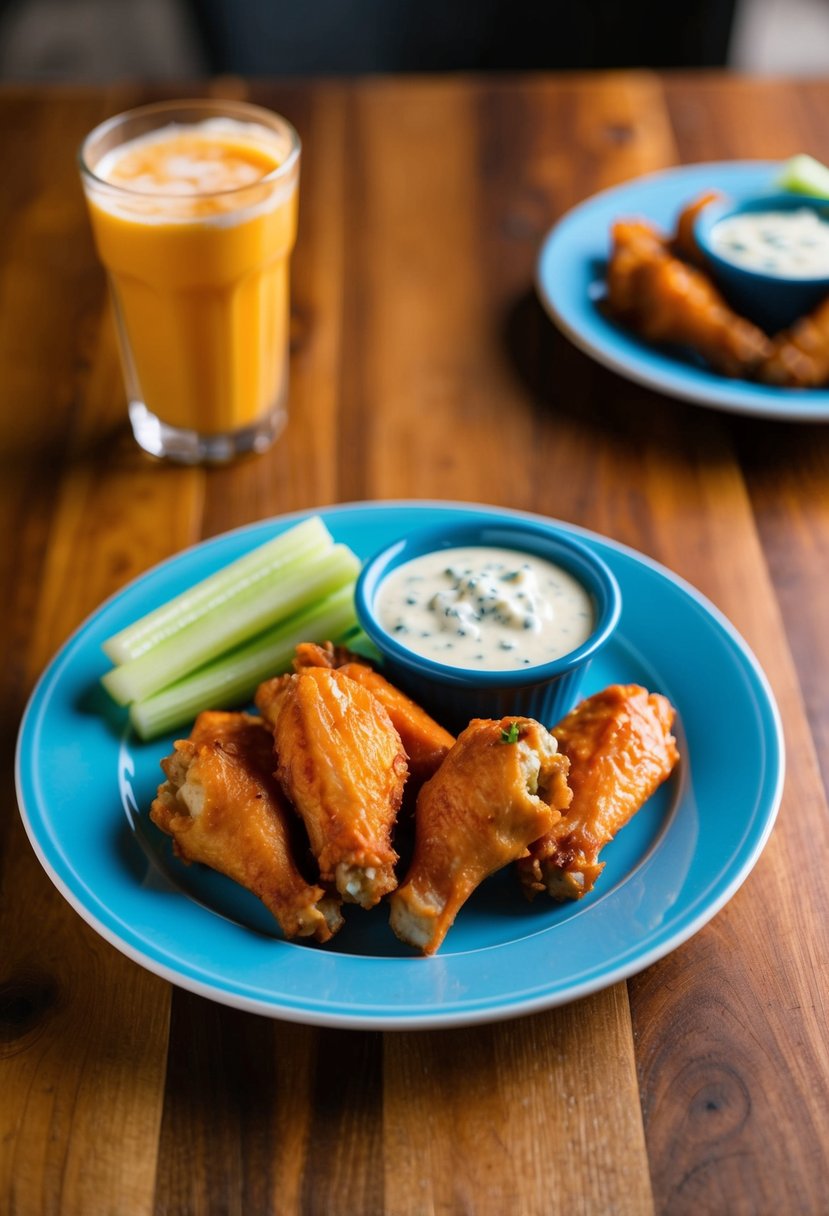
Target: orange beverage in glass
194	210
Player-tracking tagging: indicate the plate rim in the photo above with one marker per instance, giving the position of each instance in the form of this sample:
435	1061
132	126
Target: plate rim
737	396
487	1009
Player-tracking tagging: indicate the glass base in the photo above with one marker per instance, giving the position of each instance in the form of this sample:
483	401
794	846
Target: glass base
190	447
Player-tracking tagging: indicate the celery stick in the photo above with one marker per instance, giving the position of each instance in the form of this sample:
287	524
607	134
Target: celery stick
360	643
232	679
805	175
272	599
304	539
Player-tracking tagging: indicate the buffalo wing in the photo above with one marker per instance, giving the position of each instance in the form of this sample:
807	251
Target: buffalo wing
665	300
222	807
341	763
800	355
425	741
500	787
620	748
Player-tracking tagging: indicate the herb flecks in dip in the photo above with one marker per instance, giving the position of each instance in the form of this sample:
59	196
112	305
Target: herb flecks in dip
788	244
482	607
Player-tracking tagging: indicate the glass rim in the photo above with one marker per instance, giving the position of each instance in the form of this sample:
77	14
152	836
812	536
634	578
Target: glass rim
193	103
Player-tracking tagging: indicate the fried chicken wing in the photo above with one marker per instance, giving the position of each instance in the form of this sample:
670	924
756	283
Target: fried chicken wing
800	355
223	807
620	748
426	742
500	787
340	761
322	654
684	243
665	300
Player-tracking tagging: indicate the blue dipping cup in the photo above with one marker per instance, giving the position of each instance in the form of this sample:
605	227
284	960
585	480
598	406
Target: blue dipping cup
455	695
769	300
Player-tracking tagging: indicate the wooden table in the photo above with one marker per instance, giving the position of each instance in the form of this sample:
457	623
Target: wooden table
422	367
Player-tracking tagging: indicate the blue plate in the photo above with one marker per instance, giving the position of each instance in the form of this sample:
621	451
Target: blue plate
85	784
570	281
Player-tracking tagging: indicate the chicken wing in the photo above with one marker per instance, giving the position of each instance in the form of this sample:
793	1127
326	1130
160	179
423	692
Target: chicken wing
426	742
800	355
665	300
341	763
222	807
500	787
684	243
620	748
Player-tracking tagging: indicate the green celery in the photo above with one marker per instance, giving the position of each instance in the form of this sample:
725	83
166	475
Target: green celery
804	175
232	679
219	590
360	644
285	591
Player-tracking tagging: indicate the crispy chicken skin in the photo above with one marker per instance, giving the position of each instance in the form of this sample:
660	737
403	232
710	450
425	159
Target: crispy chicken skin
223	807
323	654
425	741
620	748
665	300
491	797
340	761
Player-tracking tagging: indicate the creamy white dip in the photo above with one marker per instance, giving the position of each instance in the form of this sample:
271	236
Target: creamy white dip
788	244
490	608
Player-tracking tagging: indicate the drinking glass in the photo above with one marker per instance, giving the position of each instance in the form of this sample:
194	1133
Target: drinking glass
197	254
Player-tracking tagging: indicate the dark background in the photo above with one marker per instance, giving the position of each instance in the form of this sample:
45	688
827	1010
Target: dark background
111	39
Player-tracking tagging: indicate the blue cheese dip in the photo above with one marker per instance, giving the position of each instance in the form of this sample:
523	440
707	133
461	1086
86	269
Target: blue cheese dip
787	244
483	607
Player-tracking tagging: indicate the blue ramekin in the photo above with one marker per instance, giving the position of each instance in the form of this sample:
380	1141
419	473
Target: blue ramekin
455	695
769	300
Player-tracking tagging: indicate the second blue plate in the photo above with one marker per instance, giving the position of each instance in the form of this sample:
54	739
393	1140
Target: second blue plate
570	280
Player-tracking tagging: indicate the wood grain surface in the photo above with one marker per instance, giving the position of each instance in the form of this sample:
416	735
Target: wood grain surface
423	367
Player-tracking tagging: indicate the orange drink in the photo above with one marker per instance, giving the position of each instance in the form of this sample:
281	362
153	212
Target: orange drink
194	208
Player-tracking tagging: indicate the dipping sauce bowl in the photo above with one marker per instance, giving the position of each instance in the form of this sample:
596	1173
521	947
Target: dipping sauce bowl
544	690
770	298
